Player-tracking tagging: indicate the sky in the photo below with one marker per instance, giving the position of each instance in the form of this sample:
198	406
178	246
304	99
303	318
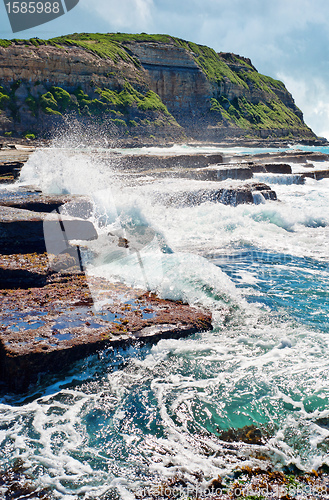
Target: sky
285	39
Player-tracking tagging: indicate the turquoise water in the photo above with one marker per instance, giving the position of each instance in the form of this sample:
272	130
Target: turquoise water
298	286
125	420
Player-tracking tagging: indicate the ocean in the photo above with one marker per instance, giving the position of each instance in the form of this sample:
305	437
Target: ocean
127	420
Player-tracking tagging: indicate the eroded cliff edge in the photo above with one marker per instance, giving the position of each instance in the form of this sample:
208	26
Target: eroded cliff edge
141	86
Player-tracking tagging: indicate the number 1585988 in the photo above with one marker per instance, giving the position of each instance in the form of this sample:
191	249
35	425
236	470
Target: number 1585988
33	7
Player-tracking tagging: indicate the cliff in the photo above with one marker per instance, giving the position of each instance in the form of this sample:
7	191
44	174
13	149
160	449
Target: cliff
141	86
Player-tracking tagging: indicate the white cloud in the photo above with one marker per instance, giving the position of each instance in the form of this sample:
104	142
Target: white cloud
130	15
311	96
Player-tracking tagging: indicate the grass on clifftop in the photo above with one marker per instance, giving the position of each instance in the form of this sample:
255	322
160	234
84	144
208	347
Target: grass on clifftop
140	37
5	43
99	44
105	45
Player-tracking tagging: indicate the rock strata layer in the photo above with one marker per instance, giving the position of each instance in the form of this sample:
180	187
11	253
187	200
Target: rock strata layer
154	162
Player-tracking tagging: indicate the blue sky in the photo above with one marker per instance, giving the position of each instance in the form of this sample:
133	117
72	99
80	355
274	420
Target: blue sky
285	39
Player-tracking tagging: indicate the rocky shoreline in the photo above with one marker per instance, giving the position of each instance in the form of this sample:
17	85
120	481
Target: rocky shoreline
38	332
19	142
250	483
48	320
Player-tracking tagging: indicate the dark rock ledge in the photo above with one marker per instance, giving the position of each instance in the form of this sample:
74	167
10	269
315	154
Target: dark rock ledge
253	192
317	174
23	230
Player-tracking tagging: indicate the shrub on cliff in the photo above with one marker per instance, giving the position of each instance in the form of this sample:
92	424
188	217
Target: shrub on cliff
50	111
48	102
32	103
4	98
5	43
152	102
119	123
62	97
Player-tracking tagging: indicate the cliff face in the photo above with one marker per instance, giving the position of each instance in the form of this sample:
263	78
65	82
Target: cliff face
174	76
142	85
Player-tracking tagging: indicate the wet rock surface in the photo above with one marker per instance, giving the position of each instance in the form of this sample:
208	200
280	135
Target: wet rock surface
12	159
317	175
148	161
217	173
9	171
292	156
24	230
254	192
271	168
44	328
35	201
15	483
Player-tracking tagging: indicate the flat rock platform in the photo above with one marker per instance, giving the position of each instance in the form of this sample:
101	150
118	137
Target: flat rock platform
47	326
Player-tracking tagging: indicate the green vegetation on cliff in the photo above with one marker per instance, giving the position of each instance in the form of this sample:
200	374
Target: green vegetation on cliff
125	102
211	63
101	45
5	43
4	98
126	108
129	97
244	114
122	87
